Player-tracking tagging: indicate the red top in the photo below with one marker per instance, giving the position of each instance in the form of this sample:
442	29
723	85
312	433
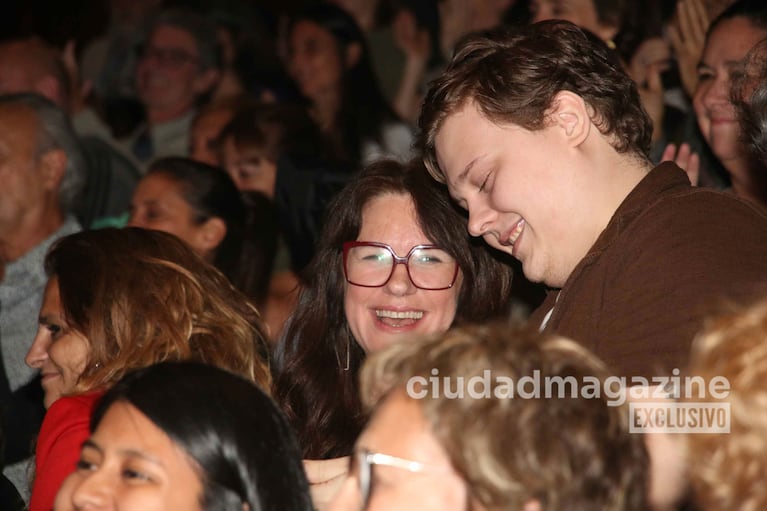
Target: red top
64	429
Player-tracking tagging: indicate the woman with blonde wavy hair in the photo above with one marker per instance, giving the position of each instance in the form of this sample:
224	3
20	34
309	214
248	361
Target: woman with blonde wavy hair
727	471
463	420
119	300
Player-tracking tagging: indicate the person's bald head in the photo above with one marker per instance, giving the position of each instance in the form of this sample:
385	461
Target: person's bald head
31	65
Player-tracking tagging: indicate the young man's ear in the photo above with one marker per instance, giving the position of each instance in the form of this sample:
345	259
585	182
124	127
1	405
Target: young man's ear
353	54
211	234
571	114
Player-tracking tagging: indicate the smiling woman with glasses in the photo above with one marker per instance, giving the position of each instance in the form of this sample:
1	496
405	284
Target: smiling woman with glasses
372	264
394	260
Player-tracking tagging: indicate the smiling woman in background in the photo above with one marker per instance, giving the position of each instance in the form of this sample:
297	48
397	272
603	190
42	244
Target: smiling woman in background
329	60
118	300
731	35
202	206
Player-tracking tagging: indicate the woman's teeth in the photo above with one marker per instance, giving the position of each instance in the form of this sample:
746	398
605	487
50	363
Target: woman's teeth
399	314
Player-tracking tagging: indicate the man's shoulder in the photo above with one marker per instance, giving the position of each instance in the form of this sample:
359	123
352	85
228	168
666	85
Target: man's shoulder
31	263
700	217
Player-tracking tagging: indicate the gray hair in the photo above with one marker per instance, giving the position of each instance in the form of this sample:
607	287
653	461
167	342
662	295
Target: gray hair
202	30
55	132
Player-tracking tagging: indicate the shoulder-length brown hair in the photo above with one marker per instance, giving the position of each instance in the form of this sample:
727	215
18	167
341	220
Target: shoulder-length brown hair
313	386
141	297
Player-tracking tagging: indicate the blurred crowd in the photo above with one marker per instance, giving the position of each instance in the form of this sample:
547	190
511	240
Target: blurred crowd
233	232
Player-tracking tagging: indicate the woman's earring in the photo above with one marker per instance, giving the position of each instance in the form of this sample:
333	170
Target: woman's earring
348	348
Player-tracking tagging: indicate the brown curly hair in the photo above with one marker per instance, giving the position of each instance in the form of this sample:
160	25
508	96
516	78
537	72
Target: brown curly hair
141	297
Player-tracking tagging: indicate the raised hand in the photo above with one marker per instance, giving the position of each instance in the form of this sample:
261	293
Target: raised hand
688	35
685	158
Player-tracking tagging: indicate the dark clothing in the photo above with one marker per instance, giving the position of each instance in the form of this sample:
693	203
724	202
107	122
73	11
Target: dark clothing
303	191
109	183
670	256
10	500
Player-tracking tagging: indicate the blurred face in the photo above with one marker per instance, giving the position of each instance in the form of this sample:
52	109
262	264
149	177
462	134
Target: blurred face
249	167
727	44
379	316
25	185
315	61
398	428
132	465
159	204
655	53
59	352
519	192
581	12
168	73
204	133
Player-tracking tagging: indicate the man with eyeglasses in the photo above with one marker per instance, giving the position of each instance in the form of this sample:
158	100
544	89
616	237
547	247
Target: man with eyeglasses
178	63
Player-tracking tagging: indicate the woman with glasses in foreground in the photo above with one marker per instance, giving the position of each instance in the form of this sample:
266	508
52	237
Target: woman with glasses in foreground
394	260
450	444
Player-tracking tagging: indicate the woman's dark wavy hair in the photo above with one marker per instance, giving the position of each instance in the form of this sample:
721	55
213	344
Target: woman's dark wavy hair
243	447
246	253
364	109
320	397
514	75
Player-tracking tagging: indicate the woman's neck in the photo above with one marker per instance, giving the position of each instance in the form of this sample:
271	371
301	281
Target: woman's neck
324	110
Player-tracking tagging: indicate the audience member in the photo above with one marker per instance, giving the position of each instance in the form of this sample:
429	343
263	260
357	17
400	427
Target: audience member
727	469
258	136
206	128
41	176
543	139
357	299
250	61
437	440
259	140
121	299
729	38
687	33
201	205
29	65
178	64
328	58
209	440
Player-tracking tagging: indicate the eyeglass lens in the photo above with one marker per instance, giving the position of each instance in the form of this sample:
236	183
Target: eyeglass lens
429	268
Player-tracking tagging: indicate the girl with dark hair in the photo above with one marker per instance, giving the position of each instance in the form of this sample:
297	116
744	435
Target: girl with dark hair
356	299
118	300
208	441
329	59
201	205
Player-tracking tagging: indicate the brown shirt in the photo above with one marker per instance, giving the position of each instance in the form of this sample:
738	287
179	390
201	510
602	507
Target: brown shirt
671	255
